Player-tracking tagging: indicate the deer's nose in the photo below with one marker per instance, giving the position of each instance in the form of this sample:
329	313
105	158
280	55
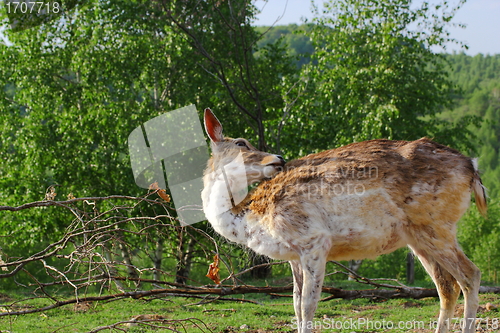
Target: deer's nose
281	159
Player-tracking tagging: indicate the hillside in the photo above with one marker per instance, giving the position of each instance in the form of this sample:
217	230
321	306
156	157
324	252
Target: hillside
293	35
479	77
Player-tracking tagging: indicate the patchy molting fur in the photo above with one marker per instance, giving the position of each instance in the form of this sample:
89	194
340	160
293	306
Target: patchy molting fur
353	202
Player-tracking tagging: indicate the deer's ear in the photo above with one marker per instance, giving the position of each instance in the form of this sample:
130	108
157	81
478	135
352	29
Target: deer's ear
213	126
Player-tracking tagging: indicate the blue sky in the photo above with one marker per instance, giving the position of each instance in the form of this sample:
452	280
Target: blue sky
481	17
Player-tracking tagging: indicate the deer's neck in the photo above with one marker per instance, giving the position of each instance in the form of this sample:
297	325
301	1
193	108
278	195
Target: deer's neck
241	224
218	208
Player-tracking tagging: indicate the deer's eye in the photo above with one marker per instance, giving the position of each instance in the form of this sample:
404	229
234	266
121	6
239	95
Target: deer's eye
241	144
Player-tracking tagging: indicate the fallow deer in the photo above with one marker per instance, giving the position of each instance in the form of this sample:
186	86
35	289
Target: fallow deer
353	202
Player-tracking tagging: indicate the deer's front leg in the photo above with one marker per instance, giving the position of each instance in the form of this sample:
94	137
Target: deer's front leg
297	290
313	270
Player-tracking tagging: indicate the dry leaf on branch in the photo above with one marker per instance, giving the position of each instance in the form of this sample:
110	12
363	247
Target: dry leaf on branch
50	194
161	192
213	270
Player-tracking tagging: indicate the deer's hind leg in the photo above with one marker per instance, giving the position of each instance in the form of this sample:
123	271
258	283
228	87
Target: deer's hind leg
468	277
298	282
447	286
451	271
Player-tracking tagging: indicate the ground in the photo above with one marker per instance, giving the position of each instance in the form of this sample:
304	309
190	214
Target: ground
272	314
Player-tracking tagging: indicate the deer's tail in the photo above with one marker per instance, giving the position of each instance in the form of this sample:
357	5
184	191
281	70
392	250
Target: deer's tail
479	191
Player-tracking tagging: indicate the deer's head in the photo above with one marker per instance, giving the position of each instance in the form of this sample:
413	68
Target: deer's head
230	154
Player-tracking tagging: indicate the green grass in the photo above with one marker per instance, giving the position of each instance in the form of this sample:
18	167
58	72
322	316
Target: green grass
273	314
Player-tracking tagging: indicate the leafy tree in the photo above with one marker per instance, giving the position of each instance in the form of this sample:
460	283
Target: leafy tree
79	91
374	74
77	86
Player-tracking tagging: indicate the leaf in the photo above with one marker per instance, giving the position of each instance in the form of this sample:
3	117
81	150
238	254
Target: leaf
51	193
213	270
161	193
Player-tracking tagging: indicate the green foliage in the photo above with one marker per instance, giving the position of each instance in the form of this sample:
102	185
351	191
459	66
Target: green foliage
374	75
76	87
480	240
295	37
393	265
480	78
474	74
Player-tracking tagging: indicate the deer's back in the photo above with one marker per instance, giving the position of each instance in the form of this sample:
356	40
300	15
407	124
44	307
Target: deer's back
417	182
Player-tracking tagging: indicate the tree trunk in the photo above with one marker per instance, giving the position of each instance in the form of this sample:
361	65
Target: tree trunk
410	268
158	256
184	256
125	253
260	272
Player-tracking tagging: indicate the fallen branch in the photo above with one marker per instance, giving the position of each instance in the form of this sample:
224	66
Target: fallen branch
150	323
399	292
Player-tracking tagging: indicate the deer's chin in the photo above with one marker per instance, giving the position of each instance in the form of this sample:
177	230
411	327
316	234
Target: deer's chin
271	170
252	179
257	175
